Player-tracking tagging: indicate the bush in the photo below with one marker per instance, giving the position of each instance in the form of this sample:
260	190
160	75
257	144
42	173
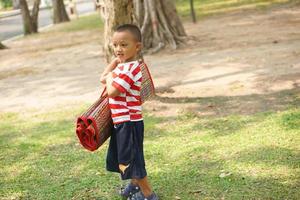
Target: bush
6	3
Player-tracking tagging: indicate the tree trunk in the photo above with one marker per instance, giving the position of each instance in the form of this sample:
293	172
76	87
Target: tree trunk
59	12
158	20
30	22
2	46
193	11
159	23
35	15
116	13
27	22
16	4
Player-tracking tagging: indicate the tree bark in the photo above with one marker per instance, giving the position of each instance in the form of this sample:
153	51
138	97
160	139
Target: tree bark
59	12
30	21
2	46
193	11
35	15
16	4
158	20
159	23
116	13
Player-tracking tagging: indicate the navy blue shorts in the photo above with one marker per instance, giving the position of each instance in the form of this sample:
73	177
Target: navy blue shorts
125	152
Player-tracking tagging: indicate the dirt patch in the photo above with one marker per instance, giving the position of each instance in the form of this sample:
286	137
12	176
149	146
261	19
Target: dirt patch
240	63
25	71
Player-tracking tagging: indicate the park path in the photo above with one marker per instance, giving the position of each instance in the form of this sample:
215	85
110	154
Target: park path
243	62
11	24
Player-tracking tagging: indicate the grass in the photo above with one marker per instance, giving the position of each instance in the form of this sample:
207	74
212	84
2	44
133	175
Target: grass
258	156
88	22
211	7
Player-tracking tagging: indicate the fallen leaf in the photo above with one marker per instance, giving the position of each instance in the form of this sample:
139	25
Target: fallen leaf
225	174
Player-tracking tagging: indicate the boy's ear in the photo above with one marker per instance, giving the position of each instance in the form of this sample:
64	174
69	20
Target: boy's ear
139	46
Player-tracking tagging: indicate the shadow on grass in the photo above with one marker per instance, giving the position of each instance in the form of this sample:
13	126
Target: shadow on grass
271	155
291	120
241	105
61	171
23	142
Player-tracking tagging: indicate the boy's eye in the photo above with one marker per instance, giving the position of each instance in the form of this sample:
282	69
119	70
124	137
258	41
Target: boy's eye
114	45
123	45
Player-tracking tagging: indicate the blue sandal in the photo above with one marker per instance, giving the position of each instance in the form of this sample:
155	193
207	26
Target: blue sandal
140	196
129	190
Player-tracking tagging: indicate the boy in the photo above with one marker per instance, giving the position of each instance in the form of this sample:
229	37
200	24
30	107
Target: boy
123	79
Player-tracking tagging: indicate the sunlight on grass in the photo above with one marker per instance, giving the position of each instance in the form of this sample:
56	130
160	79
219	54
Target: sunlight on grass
88	22
209	7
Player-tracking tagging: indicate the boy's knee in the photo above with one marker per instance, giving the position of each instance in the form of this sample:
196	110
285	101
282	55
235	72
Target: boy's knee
123	167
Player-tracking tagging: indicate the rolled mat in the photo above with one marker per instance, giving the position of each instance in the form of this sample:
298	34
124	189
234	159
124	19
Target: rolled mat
94	126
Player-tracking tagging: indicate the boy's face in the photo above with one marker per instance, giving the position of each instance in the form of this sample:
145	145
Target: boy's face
125	46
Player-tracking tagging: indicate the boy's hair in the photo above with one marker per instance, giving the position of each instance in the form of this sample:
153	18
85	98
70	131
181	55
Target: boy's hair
133	29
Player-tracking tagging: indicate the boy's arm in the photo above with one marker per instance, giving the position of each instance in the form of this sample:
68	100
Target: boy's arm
121	83
111	66
111	90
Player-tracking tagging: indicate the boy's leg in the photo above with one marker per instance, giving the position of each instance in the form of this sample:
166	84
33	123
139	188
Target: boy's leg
134	182
112	154
130	189
133	134
144	185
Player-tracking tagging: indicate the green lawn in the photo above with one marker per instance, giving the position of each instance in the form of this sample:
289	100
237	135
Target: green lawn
40	157
88	22
211	7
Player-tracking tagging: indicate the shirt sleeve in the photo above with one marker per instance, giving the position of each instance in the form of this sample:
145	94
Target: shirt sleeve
123	81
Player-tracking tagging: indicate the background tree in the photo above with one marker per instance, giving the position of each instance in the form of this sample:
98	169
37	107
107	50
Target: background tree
30	21
159	23
158	20
116	13
2	46
59	12
16	4
193	14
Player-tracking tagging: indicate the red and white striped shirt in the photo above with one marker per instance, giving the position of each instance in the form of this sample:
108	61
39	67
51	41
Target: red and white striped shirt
127	78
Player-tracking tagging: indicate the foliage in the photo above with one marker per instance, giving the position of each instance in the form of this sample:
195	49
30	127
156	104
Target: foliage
6	3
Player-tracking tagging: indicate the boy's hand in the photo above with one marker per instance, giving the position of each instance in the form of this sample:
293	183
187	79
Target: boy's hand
109	78
103	78
115	62
104	93
112	65
111	90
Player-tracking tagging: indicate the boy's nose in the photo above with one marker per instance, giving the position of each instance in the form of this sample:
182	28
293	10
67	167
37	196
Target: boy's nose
118	48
